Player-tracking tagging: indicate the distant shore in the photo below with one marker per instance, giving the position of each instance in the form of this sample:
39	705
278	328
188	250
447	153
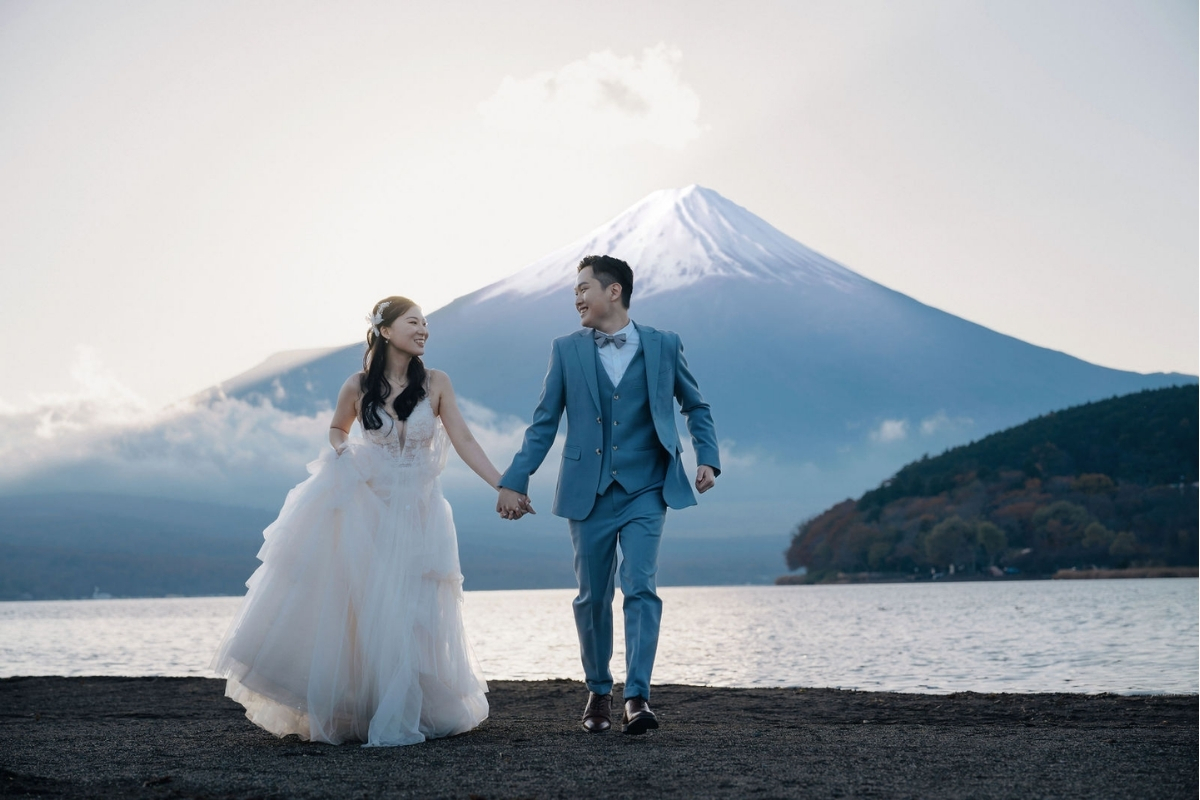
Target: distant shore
793	580
962	577
180	737
1133	572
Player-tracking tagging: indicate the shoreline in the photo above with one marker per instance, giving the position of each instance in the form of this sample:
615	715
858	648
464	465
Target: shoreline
180	737
1140	573
1129	573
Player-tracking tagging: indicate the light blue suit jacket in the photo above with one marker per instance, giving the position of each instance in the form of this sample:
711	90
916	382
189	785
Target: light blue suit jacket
571	385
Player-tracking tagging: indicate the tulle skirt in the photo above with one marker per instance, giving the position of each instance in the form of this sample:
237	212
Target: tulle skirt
352	627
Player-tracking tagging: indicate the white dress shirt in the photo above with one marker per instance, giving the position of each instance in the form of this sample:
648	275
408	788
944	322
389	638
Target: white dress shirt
616	359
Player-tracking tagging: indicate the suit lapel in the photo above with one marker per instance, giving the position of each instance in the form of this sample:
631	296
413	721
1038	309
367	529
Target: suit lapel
651	344
585	346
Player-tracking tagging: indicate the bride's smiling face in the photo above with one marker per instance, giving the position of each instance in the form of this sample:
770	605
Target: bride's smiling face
408	332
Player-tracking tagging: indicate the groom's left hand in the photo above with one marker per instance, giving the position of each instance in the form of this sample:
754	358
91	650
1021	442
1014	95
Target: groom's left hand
705	479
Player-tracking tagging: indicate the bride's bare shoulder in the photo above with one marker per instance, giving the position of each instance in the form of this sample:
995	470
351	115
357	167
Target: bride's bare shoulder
439	387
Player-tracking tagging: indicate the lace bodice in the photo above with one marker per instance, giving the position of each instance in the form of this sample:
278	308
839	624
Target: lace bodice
417	440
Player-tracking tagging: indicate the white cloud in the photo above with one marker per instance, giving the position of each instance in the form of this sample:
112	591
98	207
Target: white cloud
93	398
891	430
941	422
603	100
100	438
97	436
228	451
233	452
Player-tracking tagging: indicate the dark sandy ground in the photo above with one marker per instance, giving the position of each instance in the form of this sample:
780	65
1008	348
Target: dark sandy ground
179	737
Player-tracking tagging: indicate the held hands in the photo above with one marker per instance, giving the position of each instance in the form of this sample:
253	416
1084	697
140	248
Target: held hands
513	505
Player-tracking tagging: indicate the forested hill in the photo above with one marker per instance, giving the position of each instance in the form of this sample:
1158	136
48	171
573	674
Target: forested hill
1108	483
1147	438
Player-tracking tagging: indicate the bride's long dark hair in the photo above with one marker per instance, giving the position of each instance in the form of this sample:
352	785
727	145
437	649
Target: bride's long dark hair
375	387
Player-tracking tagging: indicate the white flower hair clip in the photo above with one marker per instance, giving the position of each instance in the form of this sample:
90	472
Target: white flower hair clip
377	317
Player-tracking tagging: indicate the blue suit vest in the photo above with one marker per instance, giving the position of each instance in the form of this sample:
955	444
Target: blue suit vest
631	454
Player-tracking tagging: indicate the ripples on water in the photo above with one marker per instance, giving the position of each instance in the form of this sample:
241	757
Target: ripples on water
1128	636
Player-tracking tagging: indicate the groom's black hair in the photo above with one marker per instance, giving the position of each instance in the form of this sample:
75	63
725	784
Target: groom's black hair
609	270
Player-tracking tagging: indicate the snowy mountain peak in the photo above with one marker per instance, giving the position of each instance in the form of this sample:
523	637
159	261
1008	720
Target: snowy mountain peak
676	237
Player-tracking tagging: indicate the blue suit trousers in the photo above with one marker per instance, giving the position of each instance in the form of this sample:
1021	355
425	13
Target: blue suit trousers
635	522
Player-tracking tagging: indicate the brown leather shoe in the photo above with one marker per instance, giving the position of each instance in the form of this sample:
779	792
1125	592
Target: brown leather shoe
597	714
638	716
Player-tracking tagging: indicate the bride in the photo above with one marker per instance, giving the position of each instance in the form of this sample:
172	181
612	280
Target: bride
352	627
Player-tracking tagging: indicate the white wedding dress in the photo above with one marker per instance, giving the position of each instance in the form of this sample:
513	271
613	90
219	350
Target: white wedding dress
352	627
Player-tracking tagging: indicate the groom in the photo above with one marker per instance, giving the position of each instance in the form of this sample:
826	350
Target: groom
620	471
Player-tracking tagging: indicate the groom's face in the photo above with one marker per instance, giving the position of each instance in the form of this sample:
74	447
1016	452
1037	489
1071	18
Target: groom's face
595	302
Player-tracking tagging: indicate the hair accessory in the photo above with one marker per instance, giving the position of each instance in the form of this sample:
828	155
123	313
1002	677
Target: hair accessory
377	317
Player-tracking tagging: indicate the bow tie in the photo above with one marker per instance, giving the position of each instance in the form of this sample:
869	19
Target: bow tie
604	339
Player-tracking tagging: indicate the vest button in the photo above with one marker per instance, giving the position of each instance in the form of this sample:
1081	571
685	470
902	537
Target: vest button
614	447
616	422
614	472
616	397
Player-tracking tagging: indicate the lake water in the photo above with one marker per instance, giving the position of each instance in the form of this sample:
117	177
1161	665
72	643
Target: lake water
1126	636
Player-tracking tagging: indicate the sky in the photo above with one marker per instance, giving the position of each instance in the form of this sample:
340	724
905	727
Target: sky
189	187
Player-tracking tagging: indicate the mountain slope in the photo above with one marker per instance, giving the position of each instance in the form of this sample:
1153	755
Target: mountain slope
1105	483
1147	438
798	355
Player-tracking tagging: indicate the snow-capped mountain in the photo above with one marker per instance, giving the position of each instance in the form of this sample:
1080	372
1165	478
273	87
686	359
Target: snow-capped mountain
802	359
677	238
822	384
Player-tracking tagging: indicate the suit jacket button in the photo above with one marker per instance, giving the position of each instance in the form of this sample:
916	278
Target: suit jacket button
599	419
614	447
597	451
614	472
616	397
616	422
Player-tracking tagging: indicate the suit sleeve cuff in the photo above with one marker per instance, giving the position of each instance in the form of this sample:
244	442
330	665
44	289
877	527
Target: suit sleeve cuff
517	483
709	458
